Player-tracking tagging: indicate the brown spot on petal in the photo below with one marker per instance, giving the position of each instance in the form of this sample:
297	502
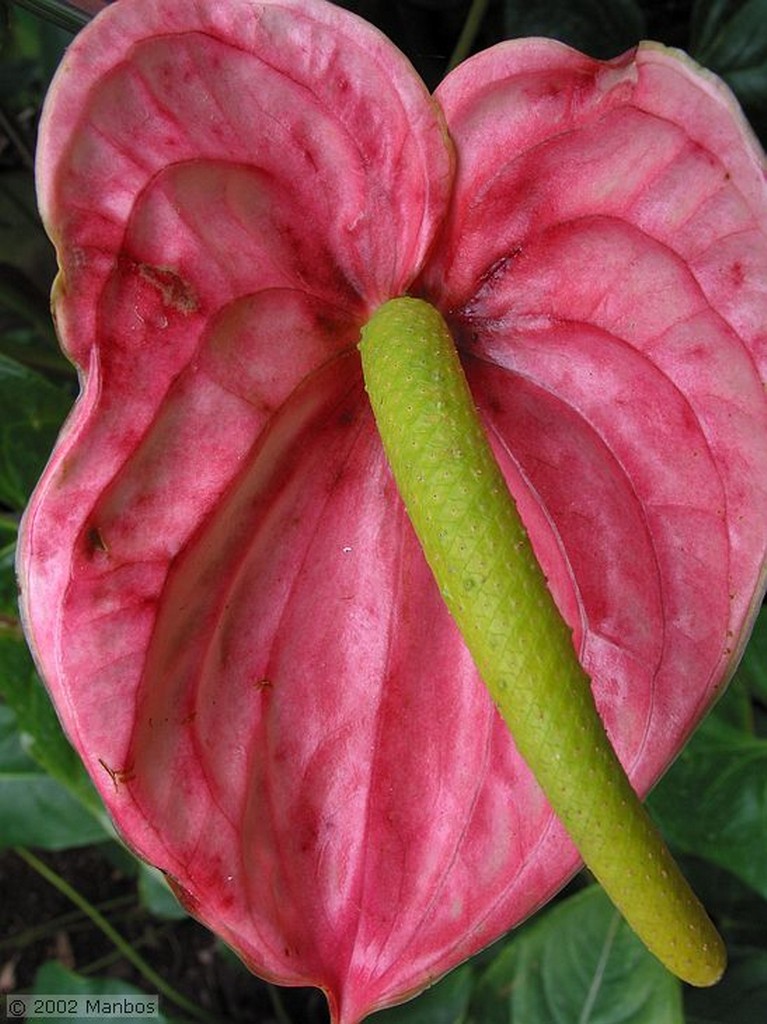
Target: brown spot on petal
176	293
94	541
119	776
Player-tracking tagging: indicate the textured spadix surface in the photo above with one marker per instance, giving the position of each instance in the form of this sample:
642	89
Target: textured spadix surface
219	582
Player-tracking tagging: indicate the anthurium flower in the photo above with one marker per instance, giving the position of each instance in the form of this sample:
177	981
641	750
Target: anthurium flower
220	583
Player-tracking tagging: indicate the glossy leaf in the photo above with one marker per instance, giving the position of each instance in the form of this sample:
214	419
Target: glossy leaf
753	669
156	896
730	34
601	28
39	728
446	1003
33	410
35	810
219	581
8	589
26	698
713	802
22	241
741	997
732	902
53	977
66	15
578	962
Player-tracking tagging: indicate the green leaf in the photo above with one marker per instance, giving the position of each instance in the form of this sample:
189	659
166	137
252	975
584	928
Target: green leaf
66	16
156	895
752	671
21	297
445	1003
33	411
713	801
601	28
35	810
23	241
731	32
735	707
12	756
37	723
9	616
737	909
53	978
578	963
739	998
38	39
17	76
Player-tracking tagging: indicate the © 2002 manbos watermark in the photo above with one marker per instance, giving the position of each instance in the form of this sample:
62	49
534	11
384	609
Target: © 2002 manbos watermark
138	1007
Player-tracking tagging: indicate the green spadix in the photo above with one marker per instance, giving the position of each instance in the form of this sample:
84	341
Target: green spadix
481	557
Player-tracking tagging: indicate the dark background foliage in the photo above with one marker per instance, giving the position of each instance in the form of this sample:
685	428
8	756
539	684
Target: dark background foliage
78	913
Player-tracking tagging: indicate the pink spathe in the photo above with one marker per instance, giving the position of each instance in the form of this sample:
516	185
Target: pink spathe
219	582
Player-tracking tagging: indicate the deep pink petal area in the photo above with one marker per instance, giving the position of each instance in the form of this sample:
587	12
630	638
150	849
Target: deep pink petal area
220	232
285	766
283	762
608	273
224	224
120	504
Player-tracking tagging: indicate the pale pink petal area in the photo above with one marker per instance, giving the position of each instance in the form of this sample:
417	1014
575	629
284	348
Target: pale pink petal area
621	290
